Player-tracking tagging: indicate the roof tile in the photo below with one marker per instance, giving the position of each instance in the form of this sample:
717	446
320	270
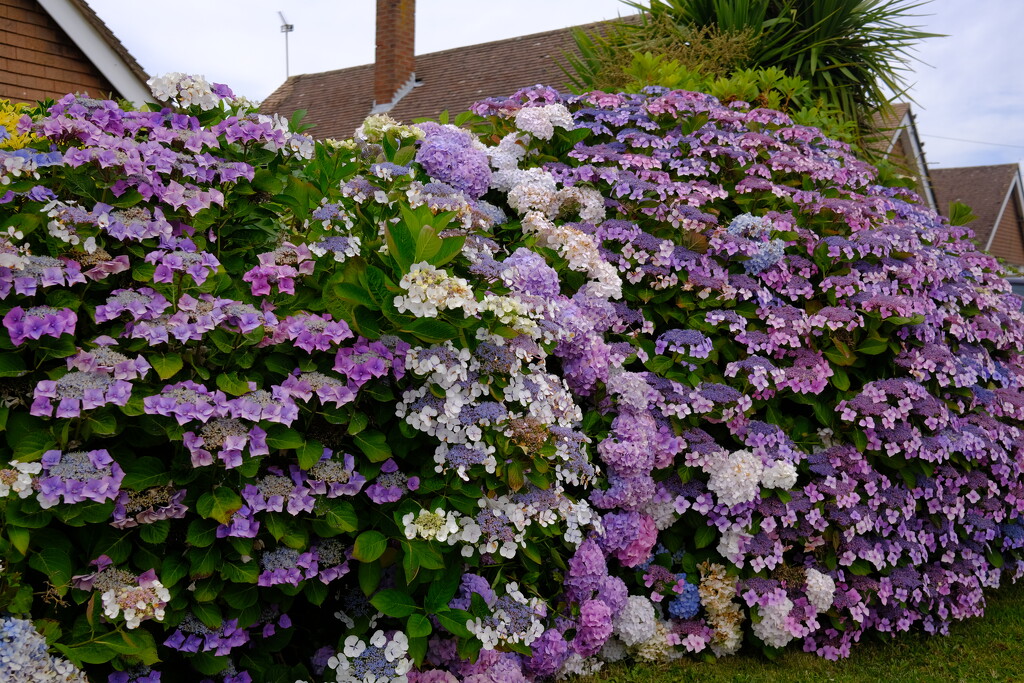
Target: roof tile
983	188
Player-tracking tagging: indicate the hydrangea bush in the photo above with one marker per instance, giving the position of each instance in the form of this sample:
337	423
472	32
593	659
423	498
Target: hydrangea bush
596	377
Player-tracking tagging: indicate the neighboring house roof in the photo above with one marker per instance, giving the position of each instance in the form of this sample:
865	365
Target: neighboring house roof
994	194
338	101
51	47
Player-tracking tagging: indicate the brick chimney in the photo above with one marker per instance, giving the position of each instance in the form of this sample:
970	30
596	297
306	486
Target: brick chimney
394	73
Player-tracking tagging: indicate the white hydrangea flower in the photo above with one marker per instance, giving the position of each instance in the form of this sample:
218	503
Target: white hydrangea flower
532	189
18	478
184	89
821	590
614	650
781	474
736	477
637	621
429	525
430	290
771	629
574	665
541	121
384	659
657	648
376	126
729	546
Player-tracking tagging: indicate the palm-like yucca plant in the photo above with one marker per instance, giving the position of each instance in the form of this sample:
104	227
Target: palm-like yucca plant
854	53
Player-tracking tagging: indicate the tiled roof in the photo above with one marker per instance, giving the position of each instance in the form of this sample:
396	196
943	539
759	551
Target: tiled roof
983	188
886	123
338	101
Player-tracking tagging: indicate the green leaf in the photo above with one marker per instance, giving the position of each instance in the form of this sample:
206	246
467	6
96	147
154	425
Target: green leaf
704	536
369	546
87	653
266	181
840	380
341	515
427	245
861	568
873	347
401	245
26	514
166	365
201	533
431	329
659	364
373	444
309	454
231	383
367	322
219	504
31	447
442	590
237	571
355	294
144	473
450	248
155	532
357	423
369	577
410	563
996	558
426	554
20	538
207	613
394	603
203	561
418	626
12	365
454	620
279	436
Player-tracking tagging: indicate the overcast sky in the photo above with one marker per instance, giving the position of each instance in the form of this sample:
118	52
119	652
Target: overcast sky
970	85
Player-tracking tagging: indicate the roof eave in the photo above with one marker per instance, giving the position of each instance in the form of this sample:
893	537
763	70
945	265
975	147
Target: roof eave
101	47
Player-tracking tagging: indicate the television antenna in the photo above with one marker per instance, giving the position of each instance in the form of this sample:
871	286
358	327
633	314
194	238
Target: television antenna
286	28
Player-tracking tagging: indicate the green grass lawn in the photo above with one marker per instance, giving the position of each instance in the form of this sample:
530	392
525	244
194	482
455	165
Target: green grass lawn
987	649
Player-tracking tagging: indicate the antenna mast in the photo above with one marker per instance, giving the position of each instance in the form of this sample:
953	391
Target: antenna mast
286	28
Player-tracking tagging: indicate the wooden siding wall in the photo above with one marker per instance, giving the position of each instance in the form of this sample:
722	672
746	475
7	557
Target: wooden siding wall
38	60
1008	242
902	156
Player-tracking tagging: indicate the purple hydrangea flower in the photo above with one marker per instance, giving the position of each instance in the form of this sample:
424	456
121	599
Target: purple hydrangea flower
448	154
77	391
39	321
287	565
228	438
390	485
332	478
310	332
132	508
77	477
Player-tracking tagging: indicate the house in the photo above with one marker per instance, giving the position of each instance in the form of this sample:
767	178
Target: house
995	195
409	86
52	47
899	143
